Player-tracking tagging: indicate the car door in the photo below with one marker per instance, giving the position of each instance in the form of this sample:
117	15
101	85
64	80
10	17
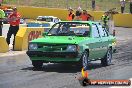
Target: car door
104	40
95	43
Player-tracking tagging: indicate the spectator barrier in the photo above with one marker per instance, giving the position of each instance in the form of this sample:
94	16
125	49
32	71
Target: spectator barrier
124	20
3	45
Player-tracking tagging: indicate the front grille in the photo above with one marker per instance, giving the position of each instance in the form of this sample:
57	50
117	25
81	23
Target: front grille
52	54
53	47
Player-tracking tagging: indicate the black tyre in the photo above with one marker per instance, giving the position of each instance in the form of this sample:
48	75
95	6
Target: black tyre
106	61
84	60
37	64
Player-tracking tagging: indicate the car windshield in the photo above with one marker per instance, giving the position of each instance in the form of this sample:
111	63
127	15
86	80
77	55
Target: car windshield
70	29
45	19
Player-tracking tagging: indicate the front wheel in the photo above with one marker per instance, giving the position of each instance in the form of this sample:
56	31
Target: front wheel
37	64
106	61
84	60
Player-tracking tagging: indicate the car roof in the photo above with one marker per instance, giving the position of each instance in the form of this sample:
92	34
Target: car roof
47	16
89	22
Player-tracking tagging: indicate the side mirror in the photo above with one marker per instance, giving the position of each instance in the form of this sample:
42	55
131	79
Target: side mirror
44	33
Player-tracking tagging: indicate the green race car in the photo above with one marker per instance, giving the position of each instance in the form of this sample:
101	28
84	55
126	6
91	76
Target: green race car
73	41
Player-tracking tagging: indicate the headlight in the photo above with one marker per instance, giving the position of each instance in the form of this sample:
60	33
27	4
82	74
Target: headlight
71	48
33	46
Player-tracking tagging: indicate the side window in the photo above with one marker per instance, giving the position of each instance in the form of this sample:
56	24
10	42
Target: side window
102	31
95	33
105	32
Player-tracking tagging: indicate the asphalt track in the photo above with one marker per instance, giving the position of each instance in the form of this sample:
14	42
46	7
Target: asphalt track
16	70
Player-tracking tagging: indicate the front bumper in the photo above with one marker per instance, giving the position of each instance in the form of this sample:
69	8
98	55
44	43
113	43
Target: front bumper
51	54
54	56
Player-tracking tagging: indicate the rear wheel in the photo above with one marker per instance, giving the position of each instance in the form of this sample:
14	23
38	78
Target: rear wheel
37	64
84	60
106	61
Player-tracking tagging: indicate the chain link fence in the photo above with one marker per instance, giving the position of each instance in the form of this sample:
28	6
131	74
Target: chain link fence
64	4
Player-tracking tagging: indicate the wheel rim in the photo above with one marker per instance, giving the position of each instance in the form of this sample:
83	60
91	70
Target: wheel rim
109	56
84	61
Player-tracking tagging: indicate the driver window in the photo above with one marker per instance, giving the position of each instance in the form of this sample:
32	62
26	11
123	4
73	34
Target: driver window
84	30
80	30
64	28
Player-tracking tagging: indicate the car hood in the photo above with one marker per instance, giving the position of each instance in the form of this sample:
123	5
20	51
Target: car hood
59	40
